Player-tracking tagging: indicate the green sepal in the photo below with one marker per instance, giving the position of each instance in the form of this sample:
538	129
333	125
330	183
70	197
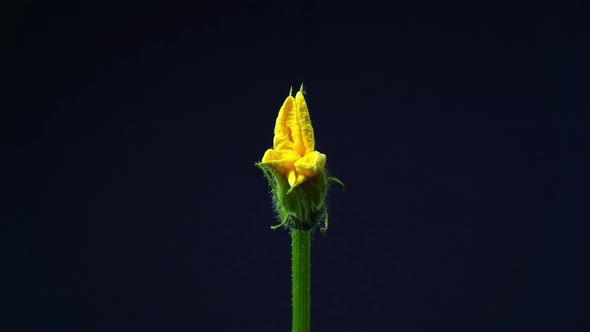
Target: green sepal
301	207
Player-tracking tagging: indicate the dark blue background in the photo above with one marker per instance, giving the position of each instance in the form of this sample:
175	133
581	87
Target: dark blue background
459	131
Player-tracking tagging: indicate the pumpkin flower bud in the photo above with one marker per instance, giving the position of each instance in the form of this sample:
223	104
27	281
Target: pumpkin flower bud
294	170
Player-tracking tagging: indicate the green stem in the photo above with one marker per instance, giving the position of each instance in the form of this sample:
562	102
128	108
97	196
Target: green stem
301	268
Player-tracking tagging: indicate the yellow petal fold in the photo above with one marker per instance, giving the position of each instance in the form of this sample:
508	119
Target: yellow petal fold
303	139
283	139
281	160
310	164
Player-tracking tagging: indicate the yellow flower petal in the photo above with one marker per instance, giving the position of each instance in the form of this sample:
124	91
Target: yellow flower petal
283	139
311	164
303	136
292	178
282	160
293	153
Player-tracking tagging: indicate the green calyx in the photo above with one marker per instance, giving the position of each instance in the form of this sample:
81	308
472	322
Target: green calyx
301	207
